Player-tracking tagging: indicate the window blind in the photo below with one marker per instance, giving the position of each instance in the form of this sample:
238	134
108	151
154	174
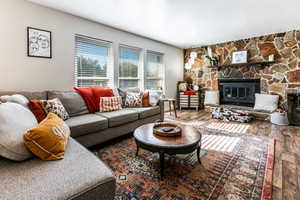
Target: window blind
93	62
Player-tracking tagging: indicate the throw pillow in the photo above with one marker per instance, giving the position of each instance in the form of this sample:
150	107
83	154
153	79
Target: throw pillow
15	120
212	98
36	108
49	139
16	98
88	96
56	107
123	91
154	97
266	102
133	99
146	99
108	104
99	91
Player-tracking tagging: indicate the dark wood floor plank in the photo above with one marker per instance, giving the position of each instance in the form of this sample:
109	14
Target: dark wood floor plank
290	185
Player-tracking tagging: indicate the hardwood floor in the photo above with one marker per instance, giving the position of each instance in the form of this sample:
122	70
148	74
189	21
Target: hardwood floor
286	176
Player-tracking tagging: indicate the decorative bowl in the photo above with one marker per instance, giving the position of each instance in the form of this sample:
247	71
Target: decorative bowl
166	129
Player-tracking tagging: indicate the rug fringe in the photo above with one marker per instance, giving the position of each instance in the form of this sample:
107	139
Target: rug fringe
268	179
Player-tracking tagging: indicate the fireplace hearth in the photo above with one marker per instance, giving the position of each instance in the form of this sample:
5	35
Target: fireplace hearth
239	92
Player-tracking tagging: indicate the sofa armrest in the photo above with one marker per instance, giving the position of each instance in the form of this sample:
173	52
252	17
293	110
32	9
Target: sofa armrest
162	110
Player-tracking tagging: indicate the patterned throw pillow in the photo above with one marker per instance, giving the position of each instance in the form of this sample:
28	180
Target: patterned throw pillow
108	104
55	106
133	99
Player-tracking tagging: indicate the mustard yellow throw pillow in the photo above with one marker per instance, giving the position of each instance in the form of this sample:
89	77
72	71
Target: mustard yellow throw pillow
49	139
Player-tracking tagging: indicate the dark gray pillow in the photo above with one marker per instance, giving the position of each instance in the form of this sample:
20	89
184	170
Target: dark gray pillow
123	91
72	101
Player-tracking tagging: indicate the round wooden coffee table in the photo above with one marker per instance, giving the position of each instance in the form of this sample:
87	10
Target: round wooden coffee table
188	142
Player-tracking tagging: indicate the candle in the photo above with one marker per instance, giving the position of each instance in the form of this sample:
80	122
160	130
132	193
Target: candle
209	52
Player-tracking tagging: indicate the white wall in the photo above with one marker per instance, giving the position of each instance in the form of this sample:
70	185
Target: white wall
19	72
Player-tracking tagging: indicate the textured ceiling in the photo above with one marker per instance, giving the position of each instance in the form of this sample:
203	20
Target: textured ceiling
187	23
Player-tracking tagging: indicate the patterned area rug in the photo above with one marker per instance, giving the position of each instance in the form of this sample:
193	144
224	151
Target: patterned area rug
234	166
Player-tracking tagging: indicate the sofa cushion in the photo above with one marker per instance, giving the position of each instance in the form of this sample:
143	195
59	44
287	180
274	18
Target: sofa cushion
79	173
72	101
120	117
85	124
147	111
28	95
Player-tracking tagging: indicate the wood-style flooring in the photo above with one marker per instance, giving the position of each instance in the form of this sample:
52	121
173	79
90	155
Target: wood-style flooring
286	176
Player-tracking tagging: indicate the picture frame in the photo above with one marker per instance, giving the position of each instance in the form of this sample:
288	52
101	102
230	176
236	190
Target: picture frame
39	43
239	57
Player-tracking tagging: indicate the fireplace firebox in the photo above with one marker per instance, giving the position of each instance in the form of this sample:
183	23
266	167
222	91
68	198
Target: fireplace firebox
239	92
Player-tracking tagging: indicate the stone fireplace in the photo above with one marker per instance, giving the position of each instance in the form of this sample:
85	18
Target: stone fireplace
279	78
240	92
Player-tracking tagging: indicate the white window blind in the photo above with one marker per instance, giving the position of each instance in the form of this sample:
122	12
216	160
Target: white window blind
93	62
154	71
130	67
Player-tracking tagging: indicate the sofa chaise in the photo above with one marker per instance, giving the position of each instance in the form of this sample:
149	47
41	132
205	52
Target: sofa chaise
80	175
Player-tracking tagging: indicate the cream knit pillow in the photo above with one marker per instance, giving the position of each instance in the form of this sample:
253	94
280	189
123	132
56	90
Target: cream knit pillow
14	121
266	102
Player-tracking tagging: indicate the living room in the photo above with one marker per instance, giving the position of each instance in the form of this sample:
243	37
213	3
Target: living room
133	99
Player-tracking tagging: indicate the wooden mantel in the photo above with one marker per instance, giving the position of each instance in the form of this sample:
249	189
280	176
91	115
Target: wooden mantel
259	64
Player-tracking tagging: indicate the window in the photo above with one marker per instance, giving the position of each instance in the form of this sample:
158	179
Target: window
154	72
129	67
93	62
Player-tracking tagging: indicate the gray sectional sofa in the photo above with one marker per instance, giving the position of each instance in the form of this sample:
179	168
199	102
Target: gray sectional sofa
80	175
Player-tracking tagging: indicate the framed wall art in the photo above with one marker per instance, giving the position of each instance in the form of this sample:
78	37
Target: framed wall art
39	43
238	57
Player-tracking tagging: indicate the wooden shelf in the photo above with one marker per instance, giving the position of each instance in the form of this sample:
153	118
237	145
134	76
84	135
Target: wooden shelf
259	64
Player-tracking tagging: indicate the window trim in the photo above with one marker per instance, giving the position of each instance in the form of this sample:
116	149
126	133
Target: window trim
110	60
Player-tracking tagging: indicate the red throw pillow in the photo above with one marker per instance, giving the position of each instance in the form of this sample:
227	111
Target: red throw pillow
99	92
36	108
146	100
88	96
108	104
192	92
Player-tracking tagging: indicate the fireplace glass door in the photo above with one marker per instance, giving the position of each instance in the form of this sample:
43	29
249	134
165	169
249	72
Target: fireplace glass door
239	91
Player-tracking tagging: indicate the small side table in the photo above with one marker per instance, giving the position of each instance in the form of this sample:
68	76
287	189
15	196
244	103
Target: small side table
171	102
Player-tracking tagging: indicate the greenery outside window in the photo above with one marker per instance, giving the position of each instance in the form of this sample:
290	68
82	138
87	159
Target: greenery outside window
130	67
93	62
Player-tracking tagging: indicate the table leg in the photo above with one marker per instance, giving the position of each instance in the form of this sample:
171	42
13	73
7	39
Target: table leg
174	106
137	150
162	160
198	154
170	108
